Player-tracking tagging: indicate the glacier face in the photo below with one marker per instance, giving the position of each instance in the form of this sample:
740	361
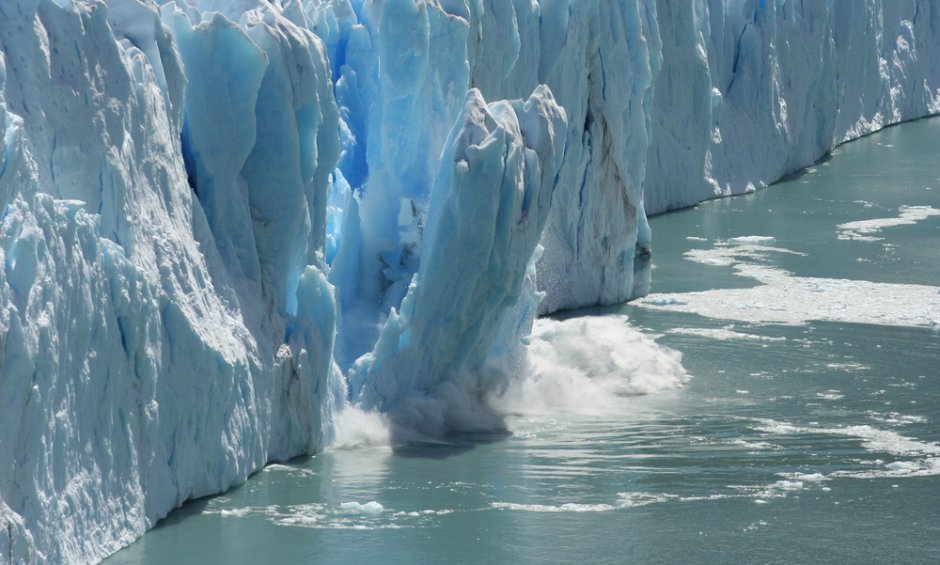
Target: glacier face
224	221
139	369
752	90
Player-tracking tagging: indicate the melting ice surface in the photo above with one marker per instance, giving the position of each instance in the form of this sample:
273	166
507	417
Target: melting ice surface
809	441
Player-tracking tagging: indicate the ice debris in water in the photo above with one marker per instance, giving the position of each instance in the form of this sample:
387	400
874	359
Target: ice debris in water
862	230
371	508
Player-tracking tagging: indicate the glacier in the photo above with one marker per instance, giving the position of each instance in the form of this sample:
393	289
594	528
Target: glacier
227	223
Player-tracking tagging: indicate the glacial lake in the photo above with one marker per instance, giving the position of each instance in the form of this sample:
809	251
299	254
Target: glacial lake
808	315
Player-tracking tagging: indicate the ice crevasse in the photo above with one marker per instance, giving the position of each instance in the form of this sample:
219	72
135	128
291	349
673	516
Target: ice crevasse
224	221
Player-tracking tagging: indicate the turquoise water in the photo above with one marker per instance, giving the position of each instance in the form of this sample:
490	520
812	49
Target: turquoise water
796	440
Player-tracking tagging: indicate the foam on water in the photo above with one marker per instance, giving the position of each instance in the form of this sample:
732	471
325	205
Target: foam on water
628	500
587	365
896	418
348	515
755	446
726	333
292	470
922	459
567	507
848	367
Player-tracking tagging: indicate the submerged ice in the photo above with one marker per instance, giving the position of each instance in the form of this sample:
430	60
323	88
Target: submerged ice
230	228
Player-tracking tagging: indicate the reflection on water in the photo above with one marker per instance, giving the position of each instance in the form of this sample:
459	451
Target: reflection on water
800	442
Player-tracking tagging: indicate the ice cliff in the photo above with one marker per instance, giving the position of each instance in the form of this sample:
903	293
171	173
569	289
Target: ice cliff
752	90
223	222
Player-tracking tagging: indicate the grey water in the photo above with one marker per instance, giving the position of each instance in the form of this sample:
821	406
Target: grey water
811	441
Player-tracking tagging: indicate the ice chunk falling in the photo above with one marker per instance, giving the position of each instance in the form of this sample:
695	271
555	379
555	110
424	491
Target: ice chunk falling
490	201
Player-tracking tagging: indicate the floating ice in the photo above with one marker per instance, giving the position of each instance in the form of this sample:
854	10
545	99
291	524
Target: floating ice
724	334
782	298
348	516
807	477
371	508
235	512
628	500
753	239
862	230
922	457
787	485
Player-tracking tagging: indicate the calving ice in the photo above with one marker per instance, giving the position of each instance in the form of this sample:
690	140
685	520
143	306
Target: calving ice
227	225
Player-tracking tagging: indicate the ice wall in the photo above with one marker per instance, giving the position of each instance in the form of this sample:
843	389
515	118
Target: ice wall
223	220
153	349
753	90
